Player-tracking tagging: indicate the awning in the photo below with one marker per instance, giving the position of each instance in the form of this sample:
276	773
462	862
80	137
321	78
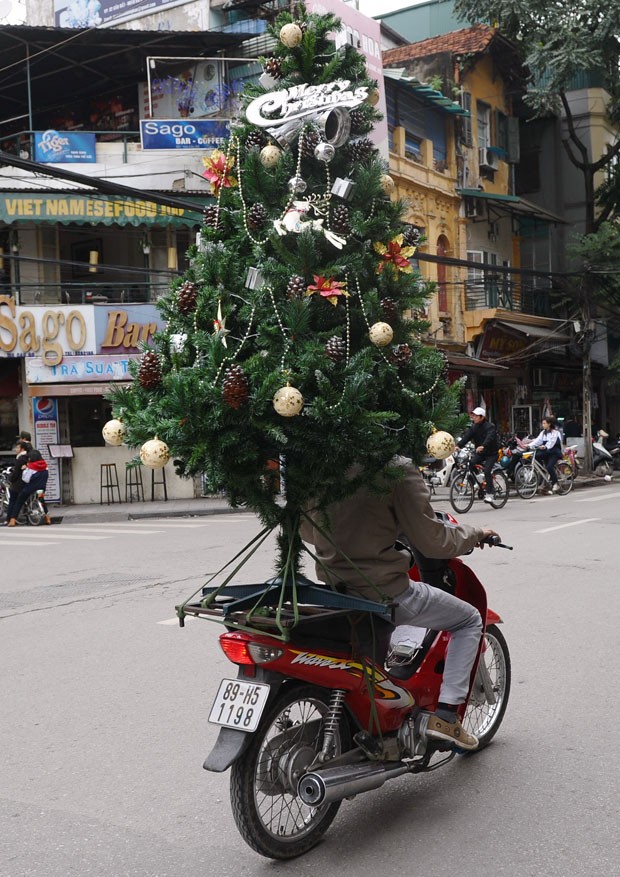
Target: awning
471	363
52	390
426	93
513	205
549	332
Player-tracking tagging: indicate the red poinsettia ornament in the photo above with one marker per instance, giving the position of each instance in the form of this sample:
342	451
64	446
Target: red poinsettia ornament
394	255
218	167
327	288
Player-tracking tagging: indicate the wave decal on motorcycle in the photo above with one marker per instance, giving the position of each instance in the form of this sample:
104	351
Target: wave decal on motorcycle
384	687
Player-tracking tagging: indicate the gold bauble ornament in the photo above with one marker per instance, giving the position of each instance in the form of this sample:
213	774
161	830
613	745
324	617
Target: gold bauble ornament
291	35
440	444
373	97
270	155
155	453
387	184
381	334
288	401
113	432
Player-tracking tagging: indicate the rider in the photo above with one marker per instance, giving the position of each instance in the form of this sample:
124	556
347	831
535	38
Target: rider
358	551
33	474
484	436
550	442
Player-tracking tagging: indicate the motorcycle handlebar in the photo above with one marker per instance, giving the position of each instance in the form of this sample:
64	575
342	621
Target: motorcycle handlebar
495	542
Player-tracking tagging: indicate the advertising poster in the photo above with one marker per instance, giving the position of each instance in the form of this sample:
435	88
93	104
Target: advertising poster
93	13
45	413
67	147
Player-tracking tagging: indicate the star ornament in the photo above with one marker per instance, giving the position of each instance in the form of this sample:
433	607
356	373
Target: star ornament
219	326
328	288
218	168
394	255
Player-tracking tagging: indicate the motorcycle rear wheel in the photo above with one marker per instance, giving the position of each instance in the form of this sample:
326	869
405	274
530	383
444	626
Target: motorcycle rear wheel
526	482
481	717
270	816
34	511
462	493
603	468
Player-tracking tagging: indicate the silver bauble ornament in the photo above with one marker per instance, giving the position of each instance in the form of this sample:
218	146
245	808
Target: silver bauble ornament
270	155
155	453
297	185
177	342
324	152
440	445
288	401
381	334
291	35
387	184
113	432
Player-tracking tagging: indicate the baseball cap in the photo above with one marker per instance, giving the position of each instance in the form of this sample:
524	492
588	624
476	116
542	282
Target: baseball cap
479	411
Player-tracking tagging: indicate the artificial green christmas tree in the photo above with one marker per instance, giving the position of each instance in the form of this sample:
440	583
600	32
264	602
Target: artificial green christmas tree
291	336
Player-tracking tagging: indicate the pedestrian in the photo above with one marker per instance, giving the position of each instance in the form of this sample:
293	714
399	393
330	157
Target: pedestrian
355	547
550	443
484	436
33	474
572	428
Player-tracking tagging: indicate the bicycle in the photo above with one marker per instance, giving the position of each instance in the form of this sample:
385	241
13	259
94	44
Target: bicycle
33	510
469	485
532	475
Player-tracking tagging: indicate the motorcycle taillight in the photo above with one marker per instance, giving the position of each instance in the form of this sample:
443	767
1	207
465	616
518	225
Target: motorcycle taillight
241	649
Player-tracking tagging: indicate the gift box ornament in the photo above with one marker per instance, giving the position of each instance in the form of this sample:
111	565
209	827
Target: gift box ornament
254	279
343	188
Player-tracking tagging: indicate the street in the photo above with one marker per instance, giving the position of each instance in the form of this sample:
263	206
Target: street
105	702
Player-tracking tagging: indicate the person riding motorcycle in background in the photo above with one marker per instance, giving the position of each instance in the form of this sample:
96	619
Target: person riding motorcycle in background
550	442
29	461
355	546
484	436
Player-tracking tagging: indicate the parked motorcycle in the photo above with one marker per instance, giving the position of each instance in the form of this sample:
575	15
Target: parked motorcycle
438	473
316	715
602	459
612	446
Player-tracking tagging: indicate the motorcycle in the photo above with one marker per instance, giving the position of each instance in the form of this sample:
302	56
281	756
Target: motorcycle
317	715
33	510
613	449
602	459
438	473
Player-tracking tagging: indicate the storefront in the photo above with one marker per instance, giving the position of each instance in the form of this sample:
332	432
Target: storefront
66	358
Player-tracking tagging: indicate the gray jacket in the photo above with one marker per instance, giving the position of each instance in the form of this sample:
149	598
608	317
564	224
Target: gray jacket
366	525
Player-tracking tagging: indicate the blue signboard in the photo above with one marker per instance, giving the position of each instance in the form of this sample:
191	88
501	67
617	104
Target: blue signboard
183	133
79	13
64	146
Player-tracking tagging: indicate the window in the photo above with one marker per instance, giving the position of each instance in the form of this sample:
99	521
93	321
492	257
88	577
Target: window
87	417
443	246
483	118
466	135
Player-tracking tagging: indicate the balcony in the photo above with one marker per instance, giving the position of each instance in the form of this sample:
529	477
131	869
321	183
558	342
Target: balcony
495	291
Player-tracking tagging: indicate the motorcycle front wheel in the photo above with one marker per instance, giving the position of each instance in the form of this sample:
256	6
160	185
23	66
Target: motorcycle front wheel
462	493
270	816
489	695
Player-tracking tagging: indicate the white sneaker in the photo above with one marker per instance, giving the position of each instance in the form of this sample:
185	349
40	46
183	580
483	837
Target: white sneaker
488	497
555	488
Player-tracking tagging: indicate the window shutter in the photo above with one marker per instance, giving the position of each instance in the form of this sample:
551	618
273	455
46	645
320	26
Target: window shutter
514	151
466	128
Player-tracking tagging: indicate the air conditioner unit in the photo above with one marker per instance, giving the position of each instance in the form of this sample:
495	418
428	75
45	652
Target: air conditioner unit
487	158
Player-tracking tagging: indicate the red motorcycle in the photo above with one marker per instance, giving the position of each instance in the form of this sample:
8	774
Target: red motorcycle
317	715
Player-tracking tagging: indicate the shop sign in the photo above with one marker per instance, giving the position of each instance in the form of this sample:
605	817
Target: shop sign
67	147
125	329
84	210
81	15
45	414
46	332
497	343
79	369
183	133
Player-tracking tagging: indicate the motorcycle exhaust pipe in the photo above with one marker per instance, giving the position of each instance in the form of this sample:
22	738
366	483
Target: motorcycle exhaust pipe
335	783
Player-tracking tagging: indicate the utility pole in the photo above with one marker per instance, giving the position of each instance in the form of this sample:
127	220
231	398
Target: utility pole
587	334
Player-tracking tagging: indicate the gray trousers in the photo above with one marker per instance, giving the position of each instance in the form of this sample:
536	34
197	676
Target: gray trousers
425	606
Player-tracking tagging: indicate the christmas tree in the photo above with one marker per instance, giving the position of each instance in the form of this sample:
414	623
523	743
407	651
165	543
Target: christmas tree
292	336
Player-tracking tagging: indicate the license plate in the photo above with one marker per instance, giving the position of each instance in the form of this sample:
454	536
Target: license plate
239	704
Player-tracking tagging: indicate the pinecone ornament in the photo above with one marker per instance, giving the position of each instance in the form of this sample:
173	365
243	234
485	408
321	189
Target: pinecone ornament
389	309
296	287
187	294
257	216
411	235
211	216
149	372
340	219
273	67
358	121
311	140
335	348
235	387
256	139
401	355
358	150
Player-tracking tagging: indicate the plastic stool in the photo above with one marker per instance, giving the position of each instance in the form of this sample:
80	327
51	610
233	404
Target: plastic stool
161	482
134	488
108	481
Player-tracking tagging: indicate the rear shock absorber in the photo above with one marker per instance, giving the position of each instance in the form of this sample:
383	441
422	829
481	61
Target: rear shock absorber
331	723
